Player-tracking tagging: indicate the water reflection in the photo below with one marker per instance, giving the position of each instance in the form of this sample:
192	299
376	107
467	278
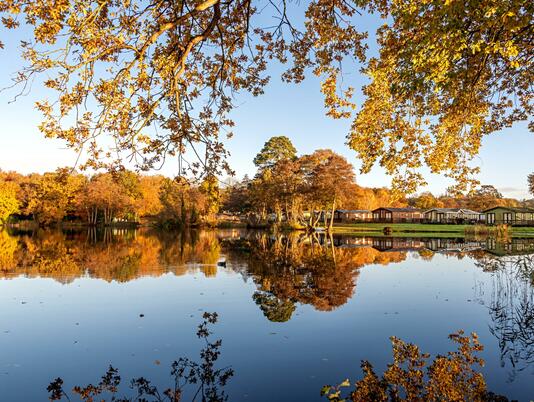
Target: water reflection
206	380
289	266
297	268
511	308
285	278
317	270
119	255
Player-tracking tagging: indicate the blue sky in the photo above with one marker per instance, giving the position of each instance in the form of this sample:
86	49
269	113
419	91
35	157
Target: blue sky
296	111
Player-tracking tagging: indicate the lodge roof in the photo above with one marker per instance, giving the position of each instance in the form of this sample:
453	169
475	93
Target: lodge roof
353	211
513	209
399	209
464	210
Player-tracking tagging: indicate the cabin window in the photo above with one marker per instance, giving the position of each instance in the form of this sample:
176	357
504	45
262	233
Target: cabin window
508	217
491	218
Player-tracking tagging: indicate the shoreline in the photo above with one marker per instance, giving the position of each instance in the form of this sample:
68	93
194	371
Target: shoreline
359	229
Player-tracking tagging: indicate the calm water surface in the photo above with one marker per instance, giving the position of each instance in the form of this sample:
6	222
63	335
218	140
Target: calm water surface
295	313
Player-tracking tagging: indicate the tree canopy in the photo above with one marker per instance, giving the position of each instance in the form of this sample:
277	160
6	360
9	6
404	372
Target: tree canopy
447	74
137	81
276	149
9	203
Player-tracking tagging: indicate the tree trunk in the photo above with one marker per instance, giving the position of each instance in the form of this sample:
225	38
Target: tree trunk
332	216
316	221
263	213
293	211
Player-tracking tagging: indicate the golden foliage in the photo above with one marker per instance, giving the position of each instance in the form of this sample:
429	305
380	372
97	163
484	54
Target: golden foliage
413	377
448	73
158	78
9	203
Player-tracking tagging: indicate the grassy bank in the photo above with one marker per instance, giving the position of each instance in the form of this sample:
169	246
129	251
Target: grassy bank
400	227
523	231
418	229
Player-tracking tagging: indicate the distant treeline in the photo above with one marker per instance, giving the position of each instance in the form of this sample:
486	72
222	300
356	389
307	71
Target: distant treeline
105	198
285	188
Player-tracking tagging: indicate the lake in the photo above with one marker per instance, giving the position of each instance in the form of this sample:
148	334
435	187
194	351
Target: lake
294	312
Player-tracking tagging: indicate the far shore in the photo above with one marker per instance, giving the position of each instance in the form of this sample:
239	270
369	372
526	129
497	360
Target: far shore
360	229
419	229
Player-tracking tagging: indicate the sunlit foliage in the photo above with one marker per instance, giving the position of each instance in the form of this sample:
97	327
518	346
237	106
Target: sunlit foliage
52	196
105	198
276	149
149	203
9	204
291	187
482	198
329	179
448	73
414	377
135	82
158	77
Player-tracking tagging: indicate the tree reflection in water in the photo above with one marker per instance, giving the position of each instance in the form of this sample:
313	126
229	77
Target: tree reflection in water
288	269
207	381
300	268
111	254
511	308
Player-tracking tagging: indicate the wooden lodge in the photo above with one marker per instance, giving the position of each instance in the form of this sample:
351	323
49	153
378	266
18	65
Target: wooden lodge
398	215
493	216
509	216
353	215
453	215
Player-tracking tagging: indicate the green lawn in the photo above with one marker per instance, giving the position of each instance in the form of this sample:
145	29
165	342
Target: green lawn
400	227
523	231
442	235
416	229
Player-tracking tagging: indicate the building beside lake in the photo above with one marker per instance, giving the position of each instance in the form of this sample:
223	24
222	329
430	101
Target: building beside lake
398	215
509	216
353	215
453	215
